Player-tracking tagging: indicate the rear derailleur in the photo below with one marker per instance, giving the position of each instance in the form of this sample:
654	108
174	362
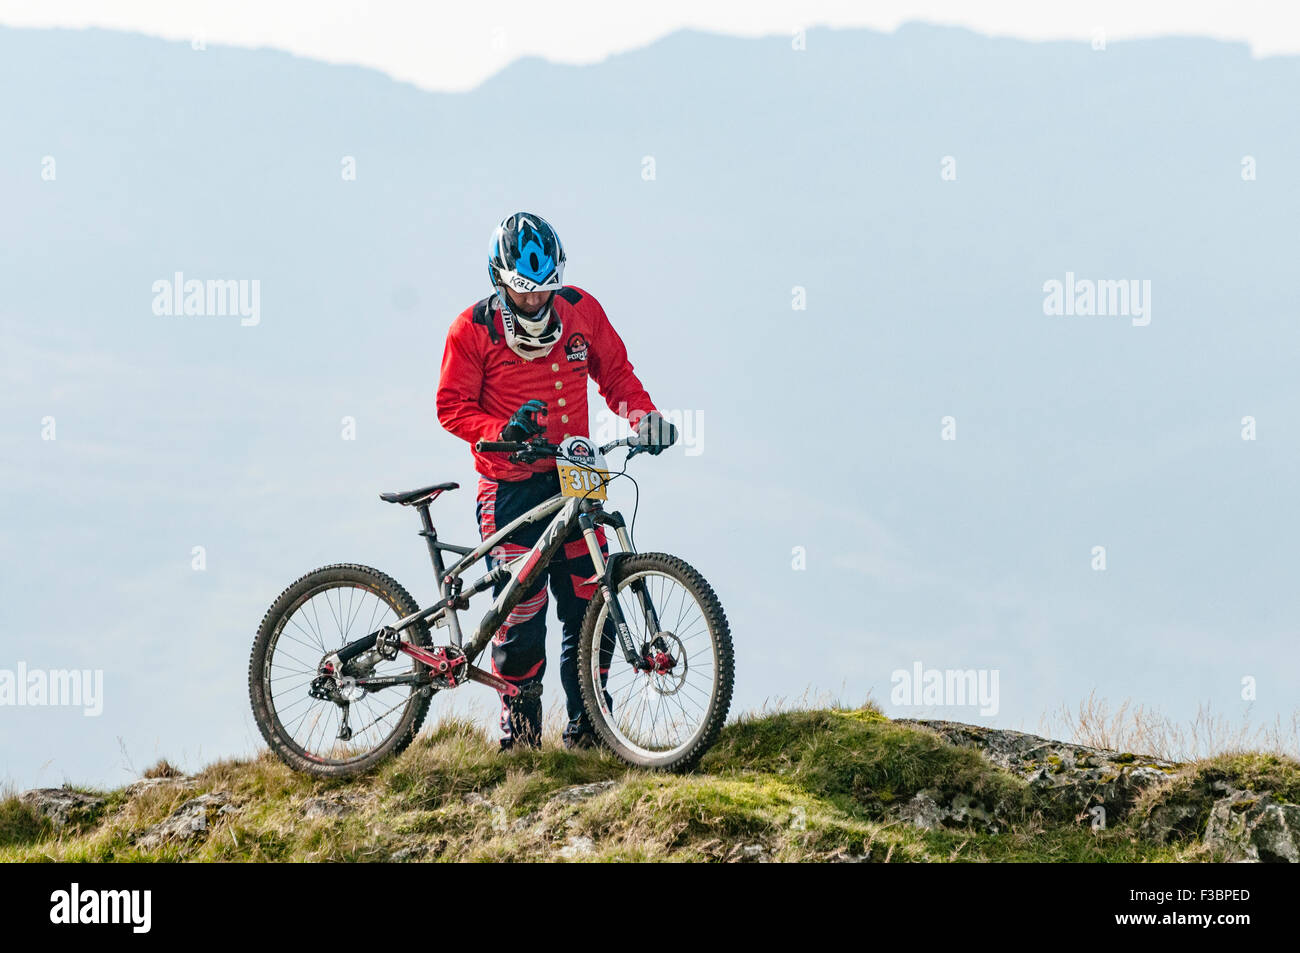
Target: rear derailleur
342	690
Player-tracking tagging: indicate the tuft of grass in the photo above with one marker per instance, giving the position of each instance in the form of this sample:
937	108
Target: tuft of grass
443	766
859	758
1051	845
21	824
162	768
704	817
264	777
1255	771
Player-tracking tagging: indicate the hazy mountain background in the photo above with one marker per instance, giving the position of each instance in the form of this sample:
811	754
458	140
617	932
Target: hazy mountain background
775	168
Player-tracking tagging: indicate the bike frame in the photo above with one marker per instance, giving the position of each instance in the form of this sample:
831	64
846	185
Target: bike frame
566	512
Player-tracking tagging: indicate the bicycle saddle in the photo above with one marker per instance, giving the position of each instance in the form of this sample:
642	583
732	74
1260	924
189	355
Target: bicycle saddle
423	494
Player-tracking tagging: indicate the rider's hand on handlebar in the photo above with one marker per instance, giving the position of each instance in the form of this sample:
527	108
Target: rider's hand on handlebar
524	423
654	434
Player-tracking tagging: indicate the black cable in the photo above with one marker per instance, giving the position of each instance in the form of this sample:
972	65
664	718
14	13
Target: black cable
636	503
636	500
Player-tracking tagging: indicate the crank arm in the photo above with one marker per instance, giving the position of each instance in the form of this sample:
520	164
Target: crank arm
437	661
487	678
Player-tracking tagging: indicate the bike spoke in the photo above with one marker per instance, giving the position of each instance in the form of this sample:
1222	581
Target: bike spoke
385	714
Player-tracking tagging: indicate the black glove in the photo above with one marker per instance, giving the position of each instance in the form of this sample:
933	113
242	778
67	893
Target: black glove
524	423
654	433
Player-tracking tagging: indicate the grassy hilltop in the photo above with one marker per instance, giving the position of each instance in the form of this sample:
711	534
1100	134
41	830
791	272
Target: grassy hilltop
835	784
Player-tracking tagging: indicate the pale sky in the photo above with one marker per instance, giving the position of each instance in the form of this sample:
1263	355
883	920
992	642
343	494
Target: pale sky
455	45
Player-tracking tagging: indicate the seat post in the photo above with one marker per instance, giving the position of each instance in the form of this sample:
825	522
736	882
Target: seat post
450	620
431	538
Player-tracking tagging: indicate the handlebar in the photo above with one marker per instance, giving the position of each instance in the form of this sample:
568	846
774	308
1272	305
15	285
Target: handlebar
625	442
542	448
498	446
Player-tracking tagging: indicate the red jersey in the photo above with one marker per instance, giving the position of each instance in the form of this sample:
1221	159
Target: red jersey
483	382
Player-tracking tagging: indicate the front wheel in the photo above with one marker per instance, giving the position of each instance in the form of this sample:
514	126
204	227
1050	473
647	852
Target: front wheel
667	711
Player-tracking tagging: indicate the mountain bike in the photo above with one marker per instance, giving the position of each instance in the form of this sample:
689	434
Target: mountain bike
656	666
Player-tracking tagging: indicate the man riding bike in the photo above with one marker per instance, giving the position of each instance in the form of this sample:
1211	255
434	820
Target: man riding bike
515	365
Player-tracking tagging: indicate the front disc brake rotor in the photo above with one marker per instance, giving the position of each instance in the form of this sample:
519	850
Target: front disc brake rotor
667	658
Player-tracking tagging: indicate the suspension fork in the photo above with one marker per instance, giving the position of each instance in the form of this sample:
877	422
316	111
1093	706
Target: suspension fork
587	522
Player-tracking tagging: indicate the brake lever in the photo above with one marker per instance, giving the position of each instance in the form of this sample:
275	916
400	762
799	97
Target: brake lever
530	455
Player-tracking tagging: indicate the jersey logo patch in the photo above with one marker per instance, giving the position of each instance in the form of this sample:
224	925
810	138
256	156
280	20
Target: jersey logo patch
575	349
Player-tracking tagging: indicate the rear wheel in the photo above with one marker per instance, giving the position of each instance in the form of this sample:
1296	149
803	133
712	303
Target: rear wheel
666	717
315	616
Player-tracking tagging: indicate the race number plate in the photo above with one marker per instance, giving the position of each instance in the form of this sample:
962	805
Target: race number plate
583	471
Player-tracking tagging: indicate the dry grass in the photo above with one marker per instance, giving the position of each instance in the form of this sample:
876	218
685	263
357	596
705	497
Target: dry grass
162	768
1143	730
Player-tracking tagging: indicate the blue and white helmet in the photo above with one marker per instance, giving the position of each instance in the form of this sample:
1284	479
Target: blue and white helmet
526	255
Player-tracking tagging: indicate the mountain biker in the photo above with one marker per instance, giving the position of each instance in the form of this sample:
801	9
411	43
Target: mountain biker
521	354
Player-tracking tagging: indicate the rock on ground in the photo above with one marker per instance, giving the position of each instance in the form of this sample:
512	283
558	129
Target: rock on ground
191	819
1077	777
148	784
326	807
1245	826
62	806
